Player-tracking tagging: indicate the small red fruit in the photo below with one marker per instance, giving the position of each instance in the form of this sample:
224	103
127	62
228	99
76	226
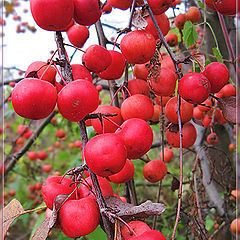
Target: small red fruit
32	155
77	99
137	106
186	110
47	168
107	126
79	217
105	186
60	133
123	4
137	136
138	227
80	72
165	82
42	155
194	88
96	58
168	155
34	98
140	71
112	160
54	186
218	75
150	235
87	12
138	86
52	15
180	20
78	35
172	39
43	71
189	135
212	138
138	46
116	68
159	6
125	175
193	14
163	23
154	171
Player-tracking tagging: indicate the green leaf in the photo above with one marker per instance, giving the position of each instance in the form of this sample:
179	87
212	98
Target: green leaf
217	54
190	35
98	233
209	223
201	5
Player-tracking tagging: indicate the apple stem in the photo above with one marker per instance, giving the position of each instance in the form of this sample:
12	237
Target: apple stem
65	83
127	225
117	125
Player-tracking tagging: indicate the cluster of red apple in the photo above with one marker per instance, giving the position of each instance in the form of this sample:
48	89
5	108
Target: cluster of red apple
36	96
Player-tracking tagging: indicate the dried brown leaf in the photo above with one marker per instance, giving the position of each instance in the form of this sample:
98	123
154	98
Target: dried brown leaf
13	210
230	109
129	212
138	21
42	231
175	184
58	202
32	74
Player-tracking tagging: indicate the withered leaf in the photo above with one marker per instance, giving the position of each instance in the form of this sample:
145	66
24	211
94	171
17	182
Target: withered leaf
58	202
230	109
200	59
32	74
129	212
42	231
13	210
138	21
175	184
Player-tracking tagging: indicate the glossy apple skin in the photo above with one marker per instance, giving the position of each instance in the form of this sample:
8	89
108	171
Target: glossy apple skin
54	186
77	99
79	217
138	227
102	158
96	58
186	110
138	86
106	188
87	12
52	15
80	72
125	175
155	171
137	106
164	83
159	6
44	72
78	35
137	136
116	68
189	135
109	127
163	23
138	46
227	7
218	75
194	88
180	20
33	98
123	4
150	235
